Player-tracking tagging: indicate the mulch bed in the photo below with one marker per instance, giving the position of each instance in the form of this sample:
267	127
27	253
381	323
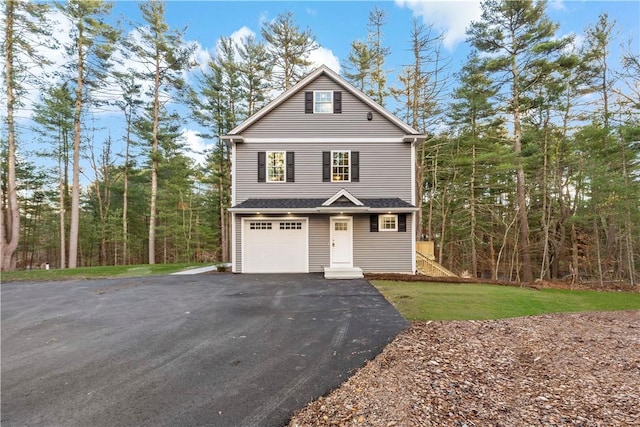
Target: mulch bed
579	369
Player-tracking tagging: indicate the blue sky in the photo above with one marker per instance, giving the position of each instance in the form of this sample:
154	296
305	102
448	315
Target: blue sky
336	24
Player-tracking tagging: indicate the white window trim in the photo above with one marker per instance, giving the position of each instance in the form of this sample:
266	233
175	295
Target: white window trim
332	166
330	102
266	172
381	222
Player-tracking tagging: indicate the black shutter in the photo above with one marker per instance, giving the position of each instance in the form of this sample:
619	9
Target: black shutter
373	223
326	166
355	166
308	102
337	102
402	223
262	166
290	167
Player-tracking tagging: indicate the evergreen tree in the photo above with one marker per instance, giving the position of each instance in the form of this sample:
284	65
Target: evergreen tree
23	22
379	53
255	72
359	66
54	116
162	52
289	49
521	42
92	43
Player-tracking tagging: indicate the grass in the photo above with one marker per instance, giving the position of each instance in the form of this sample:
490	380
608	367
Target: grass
94	272
446	301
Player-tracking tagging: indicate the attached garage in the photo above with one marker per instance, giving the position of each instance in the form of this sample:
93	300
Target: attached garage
275	245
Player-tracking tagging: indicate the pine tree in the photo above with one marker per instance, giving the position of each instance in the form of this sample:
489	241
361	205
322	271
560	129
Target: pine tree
92	43
54	116
521	42
162	52
289	49
379	53
474	116
359	66
255	72
23	22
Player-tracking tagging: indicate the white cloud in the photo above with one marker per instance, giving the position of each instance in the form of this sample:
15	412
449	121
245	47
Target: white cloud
324	56
557	5
453	17
197	147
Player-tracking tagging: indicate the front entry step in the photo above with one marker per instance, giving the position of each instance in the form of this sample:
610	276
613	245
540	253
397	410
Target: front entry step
343	273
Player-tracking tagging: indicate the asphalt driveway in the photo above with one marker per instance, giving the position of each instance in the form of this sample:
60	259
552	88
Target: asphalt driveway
204	350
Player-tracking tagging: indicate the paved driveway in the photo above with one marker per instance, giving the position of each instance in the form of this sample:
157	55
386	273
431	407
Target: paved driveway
211	349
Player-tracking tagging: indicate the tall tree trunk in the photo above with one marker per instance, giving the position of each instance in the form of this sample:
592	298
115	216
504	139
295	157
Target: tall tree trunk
521	196
154	163
63	205
10	215
75	186
125	197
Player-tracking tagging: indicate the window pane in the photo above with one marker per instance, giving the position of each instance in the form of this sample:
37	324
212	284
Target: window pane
389	222
340	166
323	102
276	164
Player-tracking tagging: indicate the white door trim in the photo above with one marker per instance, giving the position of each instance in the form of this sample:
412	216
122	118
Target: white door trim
346	251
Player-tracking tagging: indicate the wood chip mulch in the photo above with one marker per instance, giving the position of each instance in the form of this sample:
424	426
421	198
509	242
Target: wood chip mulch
580	369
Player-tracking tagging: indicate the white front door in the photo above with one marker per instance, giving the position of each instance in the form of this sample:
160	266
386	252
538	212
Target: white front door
341	241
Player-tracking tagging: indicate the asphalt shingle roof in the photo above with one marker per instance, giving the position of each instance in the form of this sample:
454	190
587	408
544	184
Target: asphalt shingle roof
394	202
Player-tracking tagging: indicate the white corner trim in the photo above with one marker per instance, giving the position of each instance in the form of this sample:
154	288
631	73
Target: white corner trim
342	193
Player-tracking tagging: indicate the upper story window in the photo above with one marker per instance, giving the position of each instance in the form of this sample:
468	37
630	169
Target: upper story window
276	166
340	166
323	102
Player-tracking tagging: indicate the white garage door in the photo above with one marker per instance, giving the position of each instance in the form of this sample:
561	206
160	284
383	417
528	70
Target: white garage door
275	245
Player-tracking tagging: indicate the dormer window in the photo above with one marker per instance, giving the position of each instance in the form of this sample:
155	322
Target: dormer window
323	102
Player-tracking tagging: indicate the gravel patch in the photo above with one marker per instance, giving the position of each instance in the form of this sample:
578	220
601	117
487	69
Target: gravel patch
579	369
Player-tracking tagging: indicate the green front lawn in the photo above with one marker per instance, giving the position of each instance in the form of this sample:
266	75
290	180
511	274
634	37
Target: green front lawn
447	301
95	272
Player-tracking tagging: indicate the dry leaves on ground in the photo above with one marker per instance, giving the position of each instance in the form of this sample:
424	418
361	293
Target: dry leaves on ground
578	369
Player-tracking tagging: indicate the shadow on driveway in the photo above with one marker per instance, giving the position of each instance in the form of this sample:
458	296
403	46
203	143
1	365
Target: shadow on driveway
213	349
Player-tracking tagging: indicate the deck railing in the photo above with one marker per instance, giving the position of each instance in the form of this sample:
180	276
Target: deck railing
428	266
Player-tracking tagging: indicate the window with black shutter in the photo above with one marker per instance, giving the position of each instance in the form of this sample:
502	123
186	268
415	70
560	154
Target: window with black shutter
337	102
402	223
326	166
262	166
355	166
308	102
373	223
290	166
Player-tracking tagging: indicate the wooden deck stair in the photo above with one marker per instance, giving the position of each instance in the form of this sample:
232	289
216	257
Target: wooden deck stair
426	262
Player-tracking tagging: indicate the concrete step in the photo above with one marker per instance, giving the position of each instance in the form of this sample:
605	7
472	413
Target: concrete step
343	273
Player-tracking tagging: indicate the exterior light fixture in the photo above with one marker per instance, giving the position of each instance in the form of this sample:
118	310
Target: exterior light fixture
369	116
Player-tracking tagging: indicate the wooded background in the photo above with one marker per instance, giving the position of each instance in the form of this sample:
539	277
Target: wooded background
531	168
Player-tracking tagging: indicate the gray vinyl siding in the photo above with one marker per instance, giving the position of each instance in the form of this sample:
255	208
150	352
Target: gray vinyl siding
385	171
383	251
289	119
318	243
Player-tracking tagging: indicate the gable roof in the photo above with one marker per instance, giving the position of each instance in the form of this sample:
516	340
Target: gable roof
326	71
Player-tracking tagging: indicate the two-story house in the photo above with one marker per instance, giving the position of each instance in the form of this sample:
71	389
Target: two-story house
323	181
